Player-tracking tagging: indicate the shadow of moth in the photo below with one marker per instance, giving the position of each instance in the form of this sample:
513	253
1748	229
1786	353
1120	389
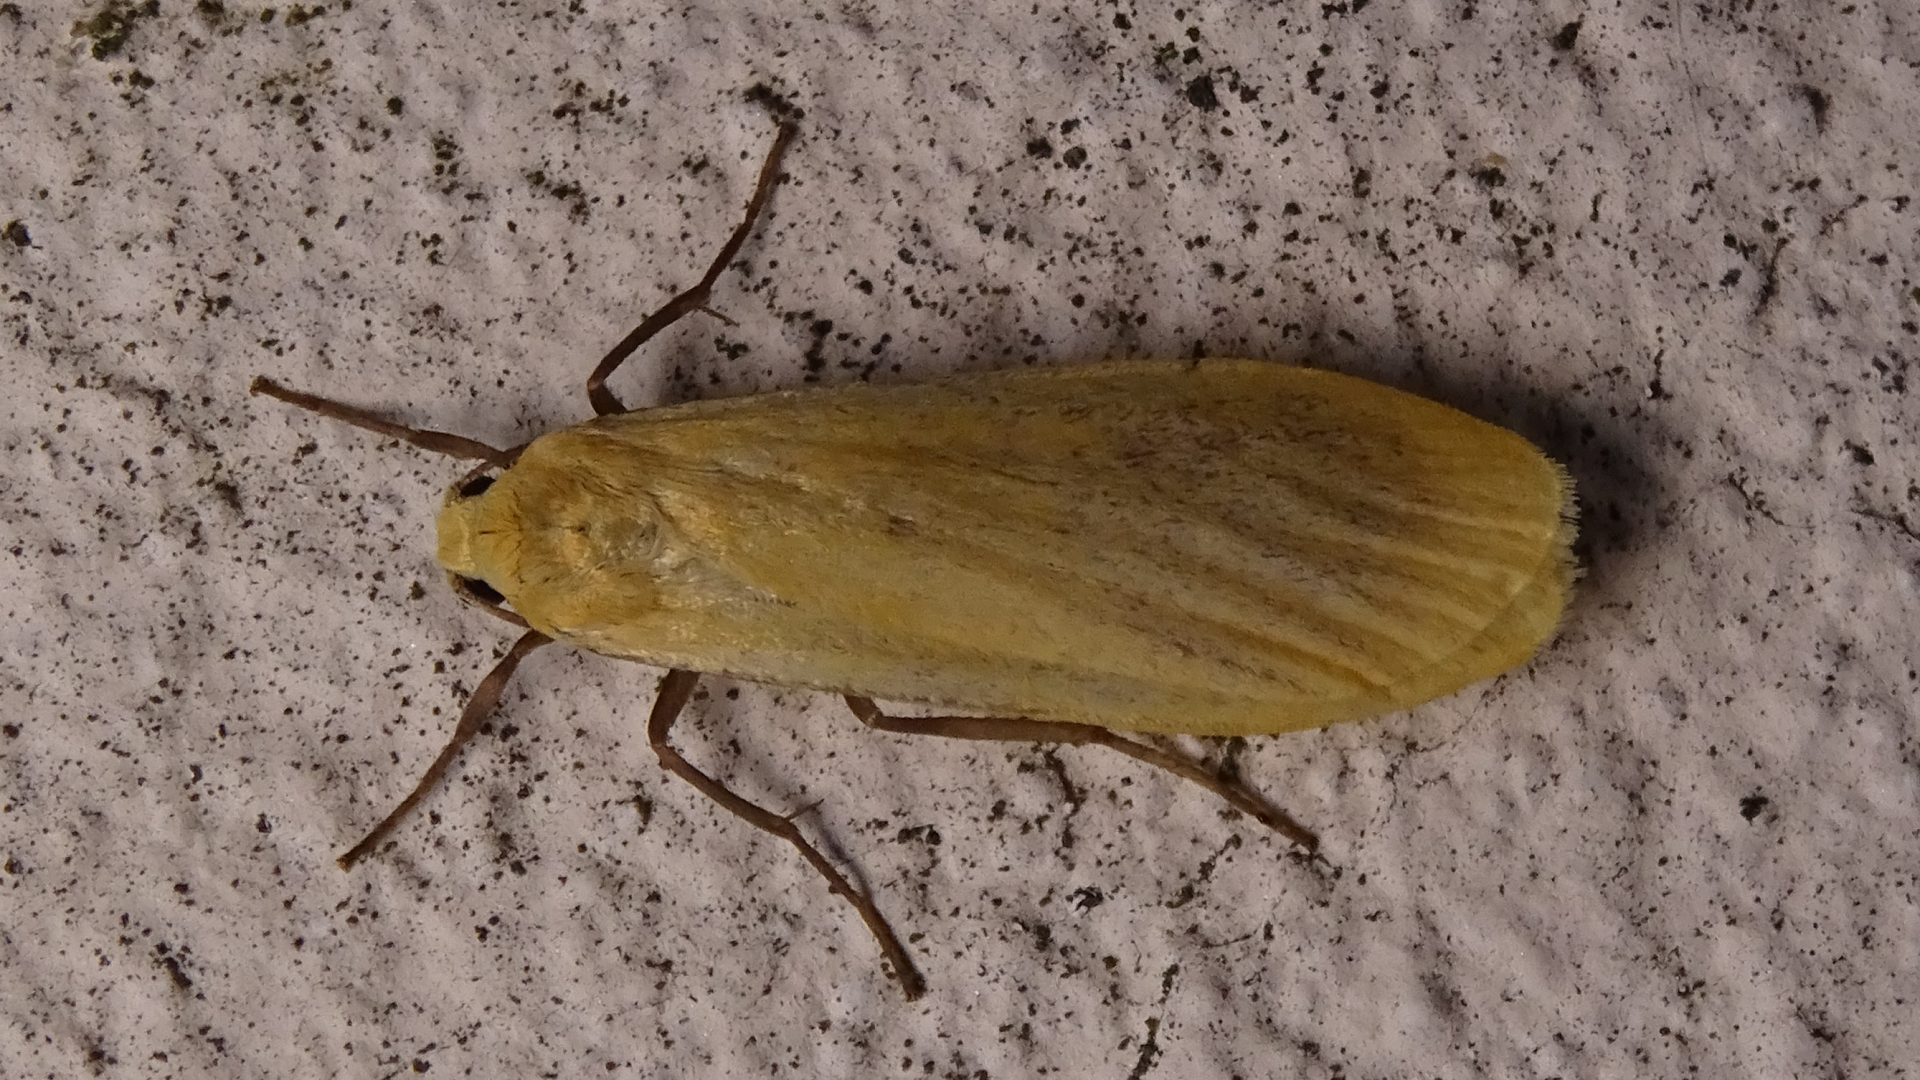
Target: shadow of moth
1211	547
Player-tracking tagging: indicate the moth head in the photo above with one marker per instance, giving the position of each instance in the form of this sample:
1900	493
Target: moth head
472	527
565	539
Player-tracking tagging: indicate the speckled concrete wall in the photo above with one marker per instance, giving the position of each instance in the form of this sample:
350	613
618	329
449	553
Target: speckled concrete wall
1673	244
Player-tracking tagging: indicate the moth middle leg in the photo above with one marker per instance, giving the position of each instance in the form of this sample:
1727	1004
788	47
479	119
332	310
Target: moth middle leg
675	690
1021	729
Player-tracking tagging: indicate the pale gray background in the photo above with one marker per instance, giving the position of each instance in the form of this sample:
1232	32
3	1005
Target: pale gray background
1675	244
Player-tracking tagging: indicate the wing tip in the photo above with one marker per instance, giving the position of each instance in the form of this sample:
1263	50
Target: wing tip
1566	563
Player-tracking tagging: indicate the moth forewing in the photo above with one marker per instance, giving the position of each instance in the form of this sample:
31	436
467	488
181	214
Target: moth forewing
1215	547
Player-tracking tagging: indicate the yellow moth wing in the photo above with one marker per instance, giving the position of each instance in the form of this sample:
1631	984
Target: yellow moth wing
1213	547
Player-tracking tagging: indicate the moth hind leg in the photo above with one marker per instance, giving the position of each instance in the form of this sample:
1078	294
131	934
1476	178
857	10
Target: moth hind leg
1021	729
675	690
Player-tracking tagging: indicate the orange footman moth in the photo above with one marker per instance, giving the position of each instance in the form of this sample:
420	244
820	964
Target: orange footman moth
1211	547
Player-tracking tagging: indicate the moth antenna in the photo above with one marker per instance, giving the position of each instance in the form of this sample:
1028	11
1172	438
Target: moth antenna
440	442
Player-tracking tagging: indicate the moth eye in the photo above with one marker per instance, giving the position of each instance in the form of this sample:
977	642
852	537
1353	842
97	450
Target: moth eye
475	486
482	591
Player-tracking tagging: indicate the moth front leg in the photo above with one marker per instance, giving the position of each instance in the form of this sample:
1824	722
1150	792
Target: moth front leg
694	299
485	697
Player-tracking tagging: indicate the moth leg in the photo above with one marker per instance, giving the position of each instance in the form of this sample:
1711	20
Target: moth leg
484	698
1021	729
675	689
694	299
439	442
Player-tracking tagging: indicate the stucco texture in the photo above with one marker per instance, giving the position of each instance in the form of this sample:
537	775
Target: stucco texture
1675	245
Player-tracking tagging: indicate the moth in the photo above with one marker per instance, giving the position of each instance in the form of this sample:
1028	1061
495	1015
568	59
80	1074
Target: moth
1204	547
